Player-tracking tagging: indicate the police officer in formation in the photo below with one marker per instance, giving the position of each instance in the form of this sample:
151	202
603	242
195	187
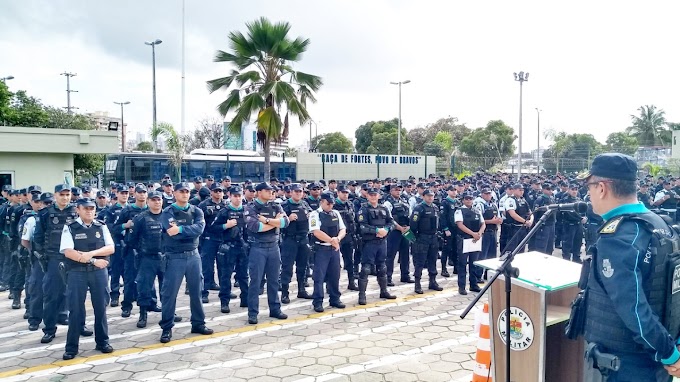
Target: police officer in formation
627	299
448	225
470	223
518	218
345	207
396	242
492	221
424	225
572	227
117	260
666	200
295	243
328	229
544	239
86	244
35	270
211	239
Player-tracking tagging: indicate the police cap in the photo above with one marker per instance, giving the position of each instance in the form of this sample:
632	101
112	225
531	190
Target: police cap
420	185
296	187
198	179
167	182
166	176
140	188
86	189
574	186
468	195
314	186
130	184
216	188
23	191
6	187
428	192
396	185
263	186
59	188
13	192
85	202
547	186
35	197
209	177
102	194
35	189
181	186
486	190
249	188
372	190
75	191
204	192
342	188
47	197
236	190
613	166
327	196
226	178
155	195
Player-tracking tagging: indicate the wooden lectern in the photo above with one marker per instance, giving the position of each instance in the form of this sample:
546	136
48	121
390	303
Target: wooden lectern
540	307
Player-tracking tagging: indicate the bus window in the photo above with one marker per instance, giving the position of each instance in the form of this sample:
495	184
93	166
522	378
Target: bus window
236	171
139	169
217	169
160	167
194	169
252	171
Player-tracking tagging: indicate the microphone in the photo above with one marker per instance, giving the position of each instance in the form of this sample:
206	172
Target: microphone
580	207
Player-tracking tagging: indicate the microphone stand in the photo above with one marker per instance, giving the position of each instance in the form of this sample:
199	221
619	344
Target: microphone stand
507	270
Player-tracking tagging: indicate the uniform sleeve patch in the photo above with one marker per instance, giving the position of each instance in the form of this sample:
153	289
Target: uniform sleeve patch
361	218
415	217
611	226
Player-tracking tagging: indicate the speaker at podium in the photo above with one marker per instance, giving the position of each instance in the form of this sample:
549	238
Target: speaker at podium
539	310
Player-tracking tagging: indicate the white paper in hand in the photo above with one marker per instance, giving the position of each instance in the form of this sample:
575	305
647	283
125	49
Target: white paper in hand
470	246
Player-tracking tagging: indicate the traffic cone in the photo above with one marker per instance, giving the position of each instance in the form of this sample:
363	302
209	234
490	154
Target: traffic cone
482	372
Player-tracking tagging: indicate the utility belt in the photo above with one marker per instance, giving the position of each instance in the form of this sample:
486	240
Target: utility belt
211	238
85	268
599	365
296	236
152	255
181	255
58	256
264	244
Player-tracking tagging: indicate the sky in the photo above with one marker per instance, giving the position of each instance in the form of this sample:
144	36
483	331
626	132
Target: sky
591	64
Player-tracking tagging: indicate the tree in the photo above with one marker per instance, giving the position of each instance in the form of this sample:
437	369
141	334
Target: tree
380	137
144	146
88	165
264	81
494	141
445	140
650	127
571	152
60	119
332	143
420	136
25	111
290	152
621	142
176	144
434	148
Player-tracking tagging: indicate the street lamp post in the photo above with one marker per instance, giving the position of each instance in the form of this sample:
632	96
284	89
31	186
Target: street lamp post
5	79
521	77
538	141
122	122
399	131
153	71
68	90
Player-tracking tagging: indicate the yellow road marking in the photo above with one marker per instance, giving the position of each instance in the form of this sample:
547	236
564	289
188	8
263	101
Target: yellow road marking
242	329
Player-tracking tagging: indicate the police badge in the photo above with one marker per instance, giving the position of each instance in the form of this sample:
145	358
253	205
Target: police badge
97	235
55	220
607	269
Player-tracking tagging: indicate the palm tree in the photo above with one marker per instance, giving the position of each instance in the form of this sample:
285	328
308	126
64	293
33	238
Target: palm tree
263	82
175	143
650	127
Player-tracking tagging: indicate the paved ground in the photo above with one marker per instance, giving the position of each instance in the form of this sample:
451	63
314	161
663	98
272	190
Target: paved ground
413	338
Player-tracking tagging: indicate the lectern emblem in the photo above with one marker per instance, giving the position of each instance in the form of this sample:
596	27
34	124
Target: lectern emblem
521	329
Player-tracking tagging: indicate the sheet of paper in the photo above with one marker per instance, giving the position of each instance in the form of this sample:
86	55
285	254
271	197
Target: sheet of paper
470	246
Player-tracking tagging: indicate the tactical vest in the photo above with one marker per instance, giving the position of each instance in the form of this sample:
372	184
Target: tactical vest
523	208
3	212
377	216
85	239
346	210
132	213
330	224
490	211
182	217
313	203
151	242
471	220
113	213
210	212
570	217
603	325
22	221
399	211
545	201
235	234
14	216
671	203
427	219
55	219
299	227
267	211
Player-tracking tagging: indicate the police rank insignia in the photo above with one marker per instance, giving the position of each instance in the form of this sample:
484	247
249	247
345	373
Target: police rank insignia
97	235
607	269
415	217
611	226
361	218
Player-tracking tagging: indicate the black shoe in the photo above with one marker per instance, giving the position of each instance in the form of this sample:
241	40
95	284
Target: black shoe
86	332
63	322
215	287
244	304
224	308
389	282
352	285
3	288
318	308
455	270
166	336
114	302
141	323
445	273
408	280
302	293
236	284
106	348
47	338
186	291
338	304
285	298
280	315
68	356
202	330
261	291
232	295
155	308
462	291
16	303
33	327
475	288
434	286
418	288
252	320
177	319
204	299
451	263
125	313
26	315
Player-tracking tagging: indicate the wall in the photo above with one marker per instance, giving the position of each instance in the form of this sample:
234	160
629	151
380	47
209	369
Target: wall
37	140
45	170
314	166
675	145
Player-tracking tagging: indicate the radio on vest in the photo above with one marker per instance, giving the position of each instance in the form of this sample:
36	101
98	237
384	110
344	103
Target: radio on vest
580	207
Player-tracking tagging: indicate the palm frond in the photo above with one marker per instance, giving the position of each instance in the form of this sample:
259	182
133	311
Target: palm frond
252	103
232	102
297	108
252	76
269	123
311	81
222	83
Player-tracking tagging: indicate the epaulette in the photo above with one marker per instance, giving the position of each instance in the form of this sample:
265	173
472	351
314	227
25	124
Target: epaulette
612	225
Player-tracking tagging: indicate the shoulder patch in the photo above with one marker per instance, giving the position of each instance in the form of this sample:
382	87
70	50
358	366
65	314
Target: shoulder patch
612	225
361	217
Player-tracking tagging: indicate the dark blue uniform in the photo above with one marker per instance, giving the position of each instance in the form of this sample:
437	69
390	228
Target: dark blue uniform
295	247
424	224
489	210
593	224
572	232
544	239
326	258
129	267
374	250
448	224
210	243
4	248
117	260
347	244
232	256
396	242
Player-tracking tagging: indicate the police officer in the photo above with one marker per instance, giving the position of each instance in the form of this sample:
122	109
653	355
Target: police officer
593	224
424	225
396	242
375	221
449	227
264	218
518	218
9	194
328	229
644	197
559	226
626	287
471	225
34	287
124	225
544	240
232	256
666	200
295	244
572	225
47	240
102	201
16	273
492	220
117	260
86	244
211	239
146	241
182	225
344	205
168	196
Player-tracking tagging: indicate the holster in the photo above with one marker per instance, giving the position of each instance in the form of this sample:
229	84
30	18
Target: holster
62	272
598	365
577	318
41	259
164	264
138	258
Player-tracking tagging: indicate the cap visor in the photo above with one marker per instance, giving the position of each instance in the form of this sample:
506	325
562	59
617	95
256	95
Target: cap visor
584	175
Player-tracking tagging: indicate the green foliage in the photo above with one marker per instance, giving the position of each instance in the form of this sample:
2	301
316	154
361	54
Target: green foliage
144	146
621	142
19	109
262	81
650	127
380	137
434	148
493	141
571	152
421	136
291	152
445	140
332	143
60	119
653	169
88	165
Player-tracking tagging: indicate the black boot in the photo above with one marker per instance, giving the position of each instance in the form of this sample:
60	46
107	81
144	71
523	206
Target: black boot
382	282
285	297
389	281
417	287
363	283
434	285
141	323
445	272
351	283
302	292
16	303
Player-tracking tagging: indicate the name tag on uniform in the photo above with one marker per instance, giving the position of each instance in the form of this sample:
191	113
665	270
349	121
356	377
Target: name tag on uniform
81	236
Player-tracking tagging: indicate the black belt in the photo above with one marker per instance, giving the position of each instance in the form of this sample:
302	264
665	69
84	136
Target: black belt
181	255
260	244
152	255
85	268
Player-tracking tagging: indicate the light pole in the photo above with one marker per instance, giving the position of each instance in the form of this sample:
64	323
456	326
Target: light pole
5	79
122	122
538	141
399	131
153	71
521	77
68	90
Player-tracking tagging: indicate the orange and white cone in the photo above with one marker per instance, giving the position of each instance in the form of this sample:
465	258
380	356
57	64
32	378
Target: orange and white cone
482	372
